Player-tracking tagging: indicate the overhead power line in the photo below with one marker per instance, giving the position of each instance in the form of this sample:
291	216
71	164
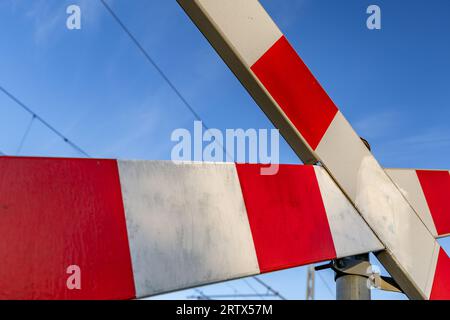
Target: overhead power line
160	71
44	122
25	135
234	295
326	285
270	293
153	62
276	293
201	295
253	289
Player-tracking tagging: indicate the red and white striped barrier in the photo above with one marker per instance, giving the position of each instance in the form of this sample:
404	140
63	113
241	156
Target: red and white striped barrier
440	288
262	58
428	191
139	228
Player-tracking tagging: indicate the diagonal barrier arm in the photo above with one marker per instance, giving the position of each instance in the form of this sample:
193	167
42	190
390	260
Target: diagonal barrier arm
261	57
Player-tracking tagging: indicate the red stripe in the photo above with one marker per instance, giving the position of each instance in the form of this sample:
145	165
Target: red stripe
441	283
60	212
287	216
436	188
297	92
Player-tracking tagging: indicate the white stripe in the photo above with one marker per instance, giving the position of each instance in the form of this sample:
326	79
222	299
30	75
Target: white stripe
408	183
350	233
249	30
342	153
408	241
187	225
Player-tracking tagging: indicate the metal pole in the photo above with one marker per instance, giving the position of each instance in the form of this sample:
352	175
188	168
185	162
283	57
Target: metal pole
352	286
310	283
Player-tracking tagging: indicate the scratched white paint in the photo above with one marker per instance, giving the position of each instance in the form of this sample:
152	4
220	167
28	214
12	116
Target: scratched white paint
409	184
387	211
187	225
408	241
249	30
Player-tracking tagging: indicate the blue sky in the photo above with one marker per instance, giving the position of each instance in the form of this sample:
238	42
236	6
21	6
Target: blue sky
98	89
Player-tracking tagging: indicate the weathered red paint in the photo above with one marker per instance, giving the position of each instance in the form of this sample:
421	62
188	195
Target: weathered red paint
436	188
54	214
287	218
297	92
